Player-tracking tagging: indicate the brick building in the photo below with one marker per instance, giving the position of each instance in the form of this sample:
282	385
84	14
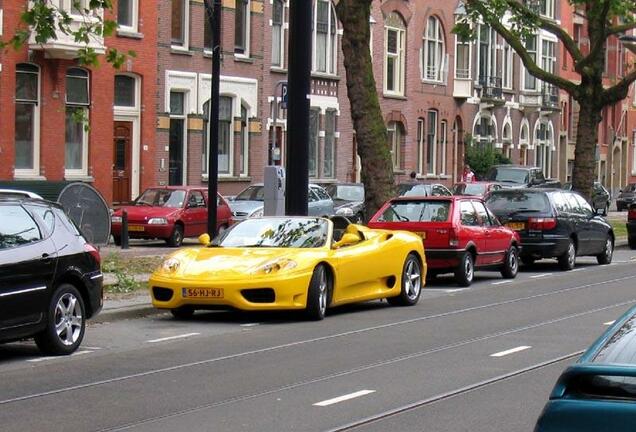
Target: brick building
44	92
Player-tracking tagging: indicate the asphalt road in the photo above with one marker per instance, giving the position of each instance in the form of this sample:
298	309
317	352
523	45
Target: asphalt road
368	367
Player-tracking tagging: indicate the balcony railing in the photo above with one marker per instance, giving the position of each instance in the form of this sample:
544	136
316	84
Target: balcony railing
491	88
64	46
549	97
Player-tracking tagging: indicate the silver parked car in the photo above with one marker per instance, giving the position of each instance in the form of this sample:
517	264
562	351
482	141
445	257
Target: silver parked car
249	203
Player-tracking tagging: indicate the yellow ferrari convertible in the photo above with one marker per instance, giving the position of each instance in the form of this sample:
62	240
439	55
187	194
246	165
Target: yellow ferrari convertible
291	263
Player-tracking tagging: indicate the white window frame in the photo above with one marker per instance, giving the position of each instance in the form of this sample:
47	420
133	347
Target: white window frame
248	32
137	107
134	28
35	171
186	29
184	117
439	51
491	60
525	73
283	30
469	44
396	144
244	170
443	144
399	56
421	145
547	8
83	171
432	143
633	153
507	63
332	42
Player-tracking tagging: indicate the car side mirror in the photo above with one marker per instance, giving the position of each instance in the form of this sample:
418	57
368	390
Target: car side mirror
204	239
348	239
598	211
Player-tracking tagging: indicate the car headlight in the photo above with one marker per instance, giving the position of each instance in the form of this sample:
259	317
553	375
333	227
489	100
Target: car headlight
171	265
157	221
344	211
258	213
275	266
115	219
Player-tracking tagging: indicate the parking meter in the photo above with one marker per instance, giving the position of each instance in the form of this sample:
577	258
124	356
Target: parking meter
274	191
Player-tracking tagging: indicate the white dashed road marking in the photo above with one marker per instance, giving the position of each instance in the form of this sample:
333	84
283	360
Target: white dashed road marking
502	282
510	351
344	398
183	336
75	354
541	275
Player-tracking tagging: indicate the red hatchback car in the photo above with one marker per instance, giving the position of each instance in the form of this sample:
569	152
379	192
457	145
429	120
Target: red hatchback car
170	213
460	234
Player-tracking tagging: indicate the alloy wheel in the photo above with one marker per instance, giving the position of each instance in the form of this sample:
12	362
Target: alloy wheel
68	319
412	279
322	292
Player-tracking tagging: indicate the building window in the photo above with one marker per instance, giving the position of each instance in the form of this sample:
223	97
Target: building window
443	131
484	131
433	53
242	27
487	53
27	118
548	55
529	81
207	33
431	142
547	8
394	134
244	145
543	146
325	37
328	167
421	146
125	91
179	23
177	140
77	7
127	14
507	66
314	126
77	102
394	61
225	134
462	58
226	137
278	33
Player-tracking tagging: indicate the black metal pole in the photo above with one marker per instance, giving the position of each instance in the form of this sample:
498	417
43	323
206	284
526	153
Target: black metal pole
213	15
297	163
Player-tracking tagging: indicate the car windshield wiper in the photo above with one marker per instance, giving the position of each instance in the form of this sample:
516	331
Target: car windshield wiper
509	181
143	203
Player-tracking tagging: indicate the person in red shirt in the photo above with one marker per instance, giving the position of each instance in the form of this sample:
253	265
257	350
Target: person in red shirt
468	176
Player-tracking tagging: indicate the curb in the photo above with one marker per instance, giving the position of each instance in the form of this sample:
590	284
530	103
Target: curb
126	312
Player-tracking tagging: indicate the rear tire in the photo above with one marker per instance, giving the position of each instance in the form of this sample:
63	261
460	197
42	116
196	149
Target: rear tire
631	242
176	238
183	312
605	257
465	271
117	240
510	266
567	261
411	283
318	294
65	322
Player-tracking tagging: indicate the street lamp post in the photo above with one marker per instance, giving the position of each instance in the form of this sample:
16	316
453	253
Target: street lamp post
213	15
297	162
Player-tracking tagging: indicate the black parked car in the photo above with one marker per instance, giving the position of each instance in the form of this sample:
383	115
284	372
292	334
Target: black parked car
50	277
519	176
553	223
626	196
631	226
348	200
600	197
423	189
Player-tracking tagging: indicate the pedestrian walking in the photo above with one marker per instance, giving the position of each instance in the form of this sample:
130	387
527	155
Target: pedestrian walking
468	176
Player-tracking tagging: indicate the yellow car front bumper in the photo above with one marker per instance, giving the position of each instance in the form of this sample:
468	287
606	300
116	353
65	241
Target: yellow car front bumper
289	292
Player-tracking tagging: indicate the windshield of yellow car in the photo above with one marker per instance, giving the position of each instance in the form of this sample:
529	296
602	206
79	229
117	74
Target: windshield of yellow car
276	233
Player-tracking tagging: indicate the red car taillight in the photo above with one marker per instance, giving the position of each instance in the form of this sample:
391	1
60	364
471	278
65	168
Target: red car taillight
93	252
541	224
631	215
453	241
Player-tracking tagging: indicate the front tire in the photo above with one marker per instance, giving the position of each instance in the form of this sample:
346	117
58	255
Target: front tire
567	261
465	271
318	294
605	257
176	238
65	322
510	266
631	242
117	240
182	313
411	283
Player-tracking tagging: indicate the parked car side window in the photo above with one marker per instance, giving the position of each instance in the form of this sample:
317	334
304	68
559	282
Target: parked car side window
482	214
538	174
560	203
66	221
17	227
468	214
196	199
46	214
585	207
573	204
439	190
312	196
493	219
322	195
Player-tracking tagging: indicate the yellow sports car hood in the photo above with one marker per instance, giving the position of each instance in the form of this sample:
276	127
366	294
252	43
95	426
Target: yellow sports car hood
231	263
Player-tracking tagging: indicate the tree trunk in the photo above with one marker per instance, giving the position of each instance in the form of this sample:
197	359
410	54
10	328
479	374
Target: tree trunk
371	134
584	172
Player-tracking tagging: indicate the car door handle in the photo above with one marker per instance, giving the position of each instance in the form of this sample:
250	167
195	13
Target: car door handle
46	258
